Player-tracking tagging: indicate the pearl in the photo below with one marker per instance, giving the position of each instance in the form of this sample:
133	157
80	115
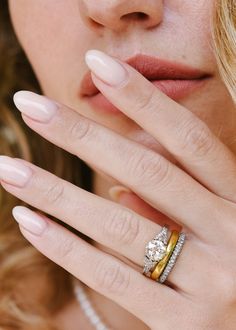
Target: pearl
87	308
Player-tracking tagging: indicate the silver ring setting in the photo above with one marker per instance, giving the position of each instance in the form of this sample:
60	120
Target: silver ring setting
173	258
155	250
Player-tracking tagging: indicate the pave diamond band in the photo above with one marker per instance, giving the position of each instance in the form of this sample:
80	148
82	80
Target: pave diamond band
173	258
155	250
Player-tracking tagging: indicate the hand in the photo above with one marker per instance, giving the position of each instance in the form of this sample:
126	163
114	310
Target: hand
201	290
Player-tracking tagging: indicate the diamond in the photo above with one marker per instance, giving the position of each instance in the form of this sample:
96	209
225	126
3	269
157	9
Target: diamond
155	250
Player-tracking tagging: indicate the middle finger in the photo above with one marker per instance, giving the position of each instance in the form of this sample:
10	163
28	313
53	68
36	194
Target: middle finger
150	175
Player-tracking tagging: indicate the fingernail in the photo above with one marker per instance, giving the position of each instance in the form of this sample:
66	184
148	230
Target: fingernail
14	172
35	106
116	191
106	68
29	220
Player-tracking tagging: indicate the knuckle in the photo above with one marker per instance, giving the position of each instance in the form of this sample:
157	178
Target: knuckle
66	248
111	277
54	193
146	101
121	227
150	169
80	130
196	138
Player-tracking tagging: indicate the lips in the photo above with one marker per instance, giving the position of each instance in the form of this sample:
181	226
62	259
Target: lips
152	68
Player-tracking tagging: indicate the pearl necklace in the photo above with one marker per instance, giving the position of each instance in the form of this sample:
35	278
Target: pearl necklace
87	308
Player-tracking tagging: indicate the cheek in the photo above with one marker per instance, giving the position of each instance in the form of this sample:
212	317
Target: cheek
197	19
37	25
32	22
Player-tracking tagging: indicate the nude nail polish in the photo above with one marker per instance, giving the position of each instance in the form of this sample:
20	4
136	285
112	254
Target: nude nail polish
106	68
29	220
13	171
35	106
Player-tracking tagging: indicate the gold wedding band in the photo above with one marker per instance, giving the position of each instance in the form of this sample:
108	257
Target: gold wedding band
163	262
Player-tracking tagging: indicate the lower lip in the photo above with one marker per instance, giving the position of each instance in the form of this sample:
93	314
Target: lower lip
175	89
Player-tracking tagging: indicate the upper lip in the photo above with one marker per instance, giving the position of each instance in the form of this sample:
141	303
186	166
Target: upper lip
153	68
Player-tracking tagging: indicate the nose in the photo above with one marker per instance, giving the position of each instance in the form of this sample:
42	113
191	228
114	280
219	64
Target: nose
118	15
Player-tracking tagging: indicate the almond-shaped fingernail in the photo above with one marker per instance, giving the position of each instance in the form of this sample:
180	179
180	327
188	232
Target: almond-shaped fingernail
106	68
14	172
37	107
29	220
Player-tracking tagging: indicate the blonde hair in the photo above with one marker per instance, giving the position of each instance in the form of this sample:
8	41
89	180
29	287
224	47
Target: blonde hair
224	39
20	262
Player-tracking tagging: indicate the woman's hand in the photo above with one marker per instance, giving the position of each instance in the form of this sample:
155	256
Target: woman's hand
202	285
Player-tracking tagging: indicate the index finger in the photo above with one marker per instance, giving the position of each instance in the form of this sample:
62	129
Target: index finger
181	132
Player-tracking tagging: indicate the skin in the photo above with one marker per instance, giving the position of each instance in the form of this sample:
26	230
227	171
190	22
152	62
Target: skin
205	269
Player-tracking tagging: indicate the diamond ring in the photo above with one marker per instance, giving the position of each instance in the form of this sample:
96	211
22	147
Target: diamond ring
155	250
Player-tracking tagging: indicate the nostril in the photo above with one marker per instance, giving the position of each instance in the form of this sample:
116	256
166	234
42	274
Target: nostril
98	22
93	23
135	15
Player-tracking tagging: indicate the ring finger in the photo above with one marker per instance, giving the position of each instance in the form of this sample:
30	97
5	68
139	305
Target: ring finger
100	271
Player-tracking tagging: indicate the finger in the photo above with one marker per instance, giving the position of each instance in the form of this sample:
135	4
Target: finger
181	132
108	223
102	272
150	175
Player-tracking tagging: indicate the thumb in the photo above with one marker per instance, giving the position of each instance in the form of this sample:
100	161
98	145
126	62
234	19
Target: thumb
126	197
